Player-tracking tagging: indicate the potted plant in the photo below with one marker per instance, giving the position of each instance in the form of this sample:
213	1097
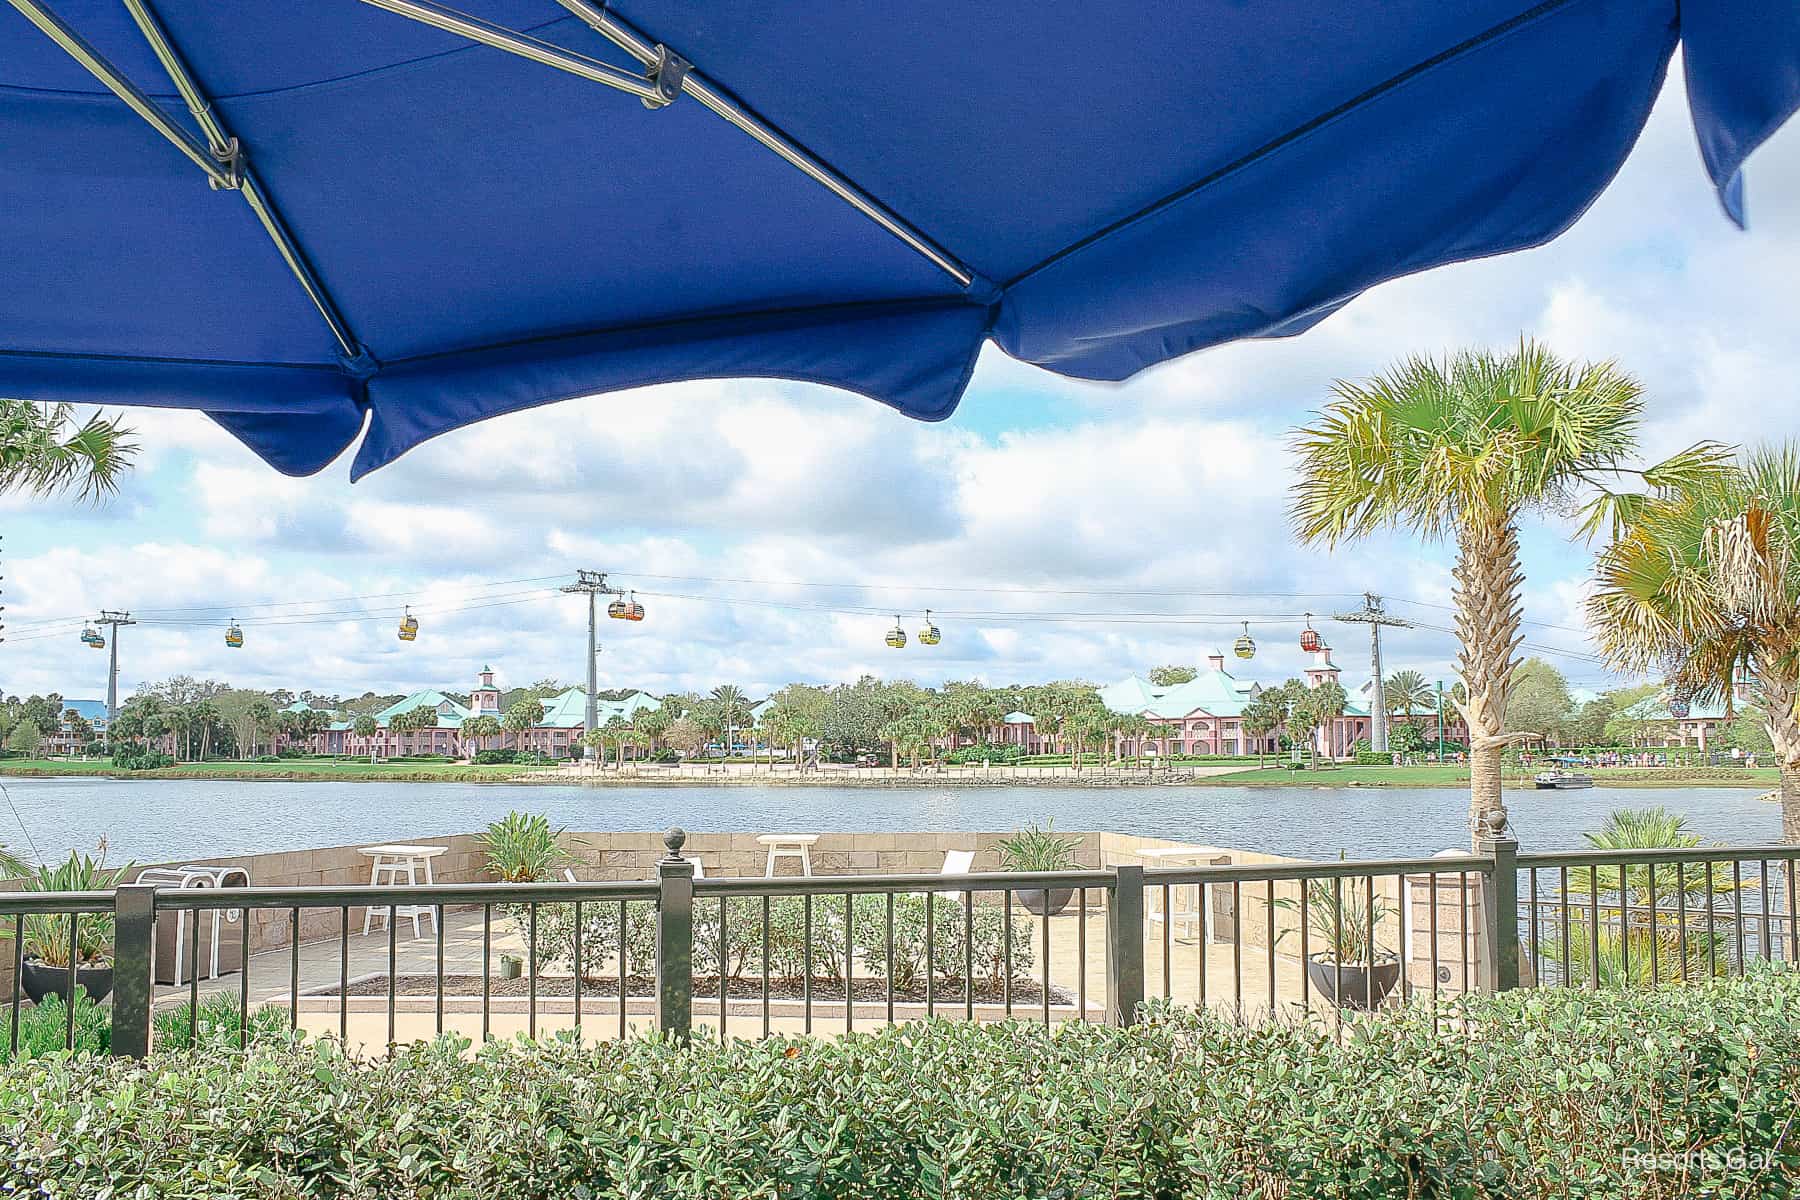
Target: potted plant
45	948
523	848
1342	924
1035	849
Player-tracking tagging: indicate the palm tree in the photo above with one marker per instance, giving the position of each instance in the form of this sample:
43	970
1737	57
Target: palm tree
1644	933
424	716
1462	448
366	727
1090	723
261	712
653	723
1702	583
312	723
1263	714
180	722
595	740
1405	693
401	724
733	707
1325	703
614	730
522	716
206	715
43	453
480	729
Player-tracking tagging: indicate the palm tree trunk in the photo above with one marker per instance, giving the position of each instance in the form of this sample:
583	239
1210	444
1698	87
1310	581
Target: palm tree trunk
1486	595
1780	685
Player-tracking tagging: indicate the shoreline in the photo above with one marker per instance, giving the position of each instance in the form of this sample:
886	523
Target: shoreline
1344	778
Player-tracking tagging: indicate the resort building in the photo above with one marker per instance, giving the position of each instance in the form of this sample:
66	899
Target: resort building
1206	715
560	727
1702	726
68	737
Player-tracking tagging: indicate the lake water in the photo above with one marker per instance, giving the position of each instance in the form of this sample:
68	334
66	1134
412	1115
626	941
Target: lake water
160	820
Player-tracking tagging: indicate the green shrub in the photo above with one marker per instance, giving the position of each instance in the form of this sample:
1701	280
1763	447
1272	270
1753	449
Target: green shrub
217	1026
743	954
1554	1093
1374	758
42	1028
488	758
989	752
131	757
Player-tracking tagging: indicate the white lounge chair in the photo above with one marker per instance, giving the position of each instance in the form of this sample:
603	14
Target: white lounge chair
956	862
699	871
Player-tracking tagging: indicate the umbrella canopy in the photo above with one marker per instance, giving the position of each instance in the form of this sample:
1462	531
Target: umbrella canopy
301	218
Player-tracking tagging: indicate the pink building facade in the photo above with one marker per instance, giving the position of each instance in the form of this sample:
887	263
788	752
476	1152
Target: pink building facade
1206	716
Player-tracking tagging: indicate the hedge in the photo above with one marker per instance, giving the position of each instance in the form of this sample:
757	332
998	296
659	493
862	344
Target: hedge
1556	1093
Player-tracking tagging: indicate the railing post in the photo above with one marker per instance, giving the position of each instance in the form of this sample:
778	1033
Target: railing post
134	941
1500	901
675	939
1125	945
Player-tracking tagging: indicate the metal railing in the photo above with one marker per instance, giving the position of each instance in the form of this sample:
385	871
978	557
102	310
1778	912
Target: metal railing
828	953
1643	917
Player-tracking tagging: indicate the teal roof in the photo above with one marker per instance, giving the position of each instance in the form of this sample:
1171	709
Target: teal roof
451	711
569	708
1210	693
1215	693
1656	708
89	710
566	709
639	702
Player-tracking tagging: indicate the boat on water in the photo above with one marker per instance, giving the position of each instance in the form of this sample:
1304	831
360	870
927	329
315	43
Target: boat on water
1561	780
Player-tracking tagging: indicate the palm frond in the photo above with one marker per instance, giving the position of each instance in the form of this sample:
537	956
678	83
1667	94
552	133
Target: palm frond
40	452
1431	444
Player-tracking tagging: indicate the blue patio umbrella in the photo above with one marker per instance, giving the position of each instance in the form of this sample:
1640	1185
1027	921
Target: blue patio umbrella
308	218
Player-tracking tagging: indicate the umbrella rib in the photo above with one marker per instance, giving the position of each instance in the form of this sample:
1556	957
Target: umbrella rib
77	48
708	94
244	180
220	157
450	20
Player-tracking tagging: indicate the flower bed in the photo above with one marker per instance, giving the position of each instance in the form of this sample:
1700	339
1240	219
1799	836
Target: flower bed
1665	1093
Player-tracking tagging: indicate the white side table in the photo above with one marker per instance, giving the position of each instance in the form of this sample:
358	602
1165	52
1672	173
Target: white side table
400	866
797	846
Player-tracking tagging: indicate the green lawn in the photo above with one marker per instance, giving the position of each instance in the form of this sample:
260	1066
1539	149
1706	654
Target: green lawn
1451	775
289	768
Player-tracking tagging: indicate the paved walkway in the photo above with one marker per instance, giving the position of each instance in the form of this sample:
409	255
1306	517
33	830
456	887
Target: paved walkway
1245	980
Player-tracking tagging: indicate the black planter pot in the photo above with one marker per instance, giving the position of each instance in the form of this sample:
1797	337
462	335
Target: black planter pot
1364	987
1043	903
40	981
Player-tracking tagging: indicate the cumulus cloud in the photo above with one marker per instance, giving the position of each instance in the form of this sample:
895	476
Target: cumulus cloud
717	499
